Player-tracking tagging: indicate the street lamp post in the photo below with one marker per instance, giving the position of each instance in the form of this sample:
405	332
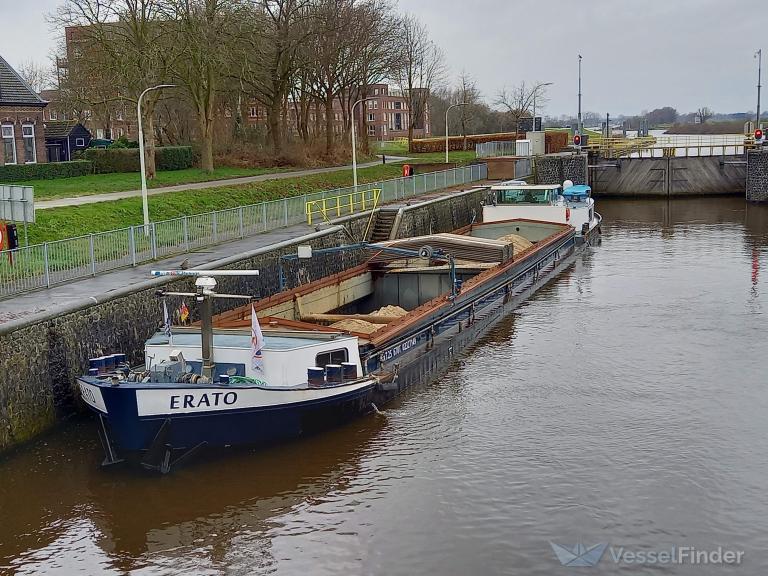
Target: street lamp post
536	91
579	127
144	199
759	56
354	142
446	125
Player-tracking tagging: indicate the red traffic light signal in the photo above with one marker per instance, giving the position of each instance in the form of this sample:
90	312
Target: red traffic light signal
758	135
577	140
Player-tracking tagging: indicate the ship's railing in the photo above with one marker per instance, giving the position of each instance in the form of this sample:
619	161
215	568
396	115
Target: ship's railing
336	206
45	265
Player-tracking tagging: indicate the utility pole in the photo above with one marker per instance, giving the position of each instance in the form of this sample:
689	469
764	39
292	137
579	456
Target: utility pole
759	56
580	128
446	125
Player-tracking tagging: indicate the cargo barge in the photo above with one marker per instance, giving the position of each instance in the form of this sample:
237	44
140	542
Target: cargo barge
328	351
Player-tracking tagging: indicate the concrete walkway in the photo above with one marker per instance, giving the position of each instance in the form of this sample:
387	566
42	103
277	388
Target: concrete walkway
94	198
64	295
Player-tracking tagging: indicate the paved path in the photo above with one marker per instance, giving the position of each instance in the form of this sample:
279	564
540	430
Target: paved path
63	295
93	198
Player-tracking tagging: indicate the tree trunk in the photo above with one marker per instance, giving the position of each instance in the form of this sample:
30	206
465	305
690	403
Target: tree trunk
149	143
273	126
206	136
329	127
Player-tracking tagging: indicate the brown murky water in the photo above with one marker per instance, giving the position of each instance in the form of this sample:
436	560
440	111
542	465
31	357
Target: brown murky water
625	404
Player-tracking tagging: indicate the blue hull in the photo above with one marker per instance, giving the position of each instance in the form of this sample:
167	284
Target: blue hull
248	426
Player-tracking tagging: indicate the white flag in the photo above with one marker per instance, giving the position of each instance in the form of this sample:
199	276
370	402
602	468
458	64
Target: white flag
257	344
166	320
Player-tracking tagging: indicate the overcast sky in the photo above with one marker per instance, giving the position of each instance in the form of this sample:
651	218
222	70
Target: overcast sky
638	55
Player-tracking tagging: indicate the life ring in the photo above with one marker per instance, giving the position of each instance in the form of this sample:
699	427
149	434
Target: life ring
567	214
406	170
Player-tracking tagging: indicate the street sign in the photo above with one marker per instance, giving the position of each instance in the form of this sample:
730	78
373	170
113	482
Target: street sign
17	203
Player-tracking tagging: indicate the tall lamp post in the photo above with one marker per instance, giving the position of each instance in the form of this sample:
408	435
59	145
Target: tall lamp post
535	92
579	127
759	56
446	125
354	141
144	199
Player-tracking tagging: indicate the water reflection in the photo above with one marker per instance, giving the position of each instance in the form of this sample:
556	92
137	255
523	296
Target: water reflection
624	403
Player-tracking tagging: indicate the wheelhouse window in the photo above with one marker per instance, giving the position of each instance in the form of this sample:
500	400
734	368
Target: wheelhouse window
332	357
9	145
523	196
30	152
79	142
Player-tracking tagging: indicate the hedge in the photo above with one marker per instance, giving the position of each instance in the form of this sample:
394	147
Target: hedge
46	171
127	159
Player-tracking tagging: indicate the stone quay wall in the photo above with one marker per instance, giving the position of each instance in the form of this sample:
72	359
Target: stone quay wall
42	355
757	175
557	168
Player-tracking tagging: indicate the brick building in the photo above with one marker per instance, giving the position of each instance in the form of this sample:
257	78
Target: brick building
22	130
387	115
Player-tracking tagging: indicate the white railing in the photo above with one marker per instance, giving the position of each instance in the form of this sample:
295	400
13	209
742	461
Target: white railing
44	265
496	149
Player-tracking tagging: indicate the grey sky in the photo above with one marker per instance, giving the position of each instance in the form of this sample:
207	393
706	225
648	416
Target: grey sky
637	55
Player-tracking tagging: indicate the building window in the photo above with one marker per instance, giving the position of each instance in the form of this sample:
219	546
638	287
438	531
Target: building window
52	115
375	104
398	105
334	357
120	132
371	130
370	104
9	146
100	133
119	115
253	112
30	153
371	117
375	91
80	142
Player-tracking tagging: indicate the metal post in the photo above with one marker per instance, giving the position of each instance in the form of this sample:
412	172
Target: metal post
93	255
214	227
153	240
446	126
144	199
185	223
285	211
240	217
580	127
206	332
354	143
759	55
264	215
132	245
47	267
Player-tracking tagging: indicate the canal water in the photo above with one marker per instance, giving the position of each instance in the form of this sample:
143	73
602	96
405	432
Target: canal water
624	405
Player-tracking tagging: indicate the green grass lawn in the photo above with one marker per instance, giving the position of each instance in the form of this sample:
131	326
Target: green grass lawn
58	223
123	181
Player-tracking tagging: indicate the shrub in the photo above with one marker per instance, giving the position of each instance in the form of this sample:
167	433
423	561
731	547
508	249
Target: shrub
174	157
48	171
127	159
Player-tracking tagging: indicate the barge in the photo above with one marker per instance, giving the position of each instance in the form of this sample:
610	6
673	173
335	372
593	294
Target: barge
324	352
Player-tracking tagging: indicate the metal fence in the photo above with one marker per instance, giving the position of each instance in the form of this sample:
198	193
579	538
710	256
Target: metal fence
496	149
43	265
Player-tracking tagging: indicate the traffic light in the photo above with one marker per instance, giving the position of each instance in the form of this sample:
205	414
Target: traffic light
577	140
759	136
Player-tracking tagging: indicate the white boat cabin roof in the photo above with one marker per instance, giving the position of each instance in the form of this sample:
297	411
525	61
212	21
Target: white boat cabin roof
242	340
512	186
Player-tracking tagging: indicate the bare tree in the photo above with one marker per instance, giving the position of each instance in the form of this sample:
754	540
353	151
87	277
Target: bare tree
466	93
422	67
38	77
121	47
517	101
704	114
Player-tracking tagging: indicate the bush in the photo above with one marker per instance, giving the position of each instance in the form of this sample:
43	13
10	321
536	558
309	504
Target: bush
174	158
109	160
48	171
